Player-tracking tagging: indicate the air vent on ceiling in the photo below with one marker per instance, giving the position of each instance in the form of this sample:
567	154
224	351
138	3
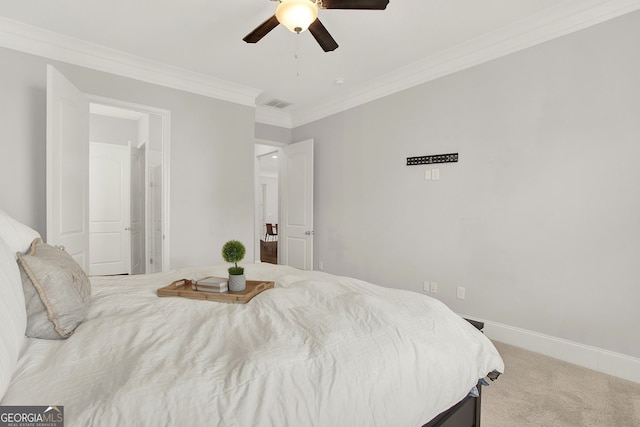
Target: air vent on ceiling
278	103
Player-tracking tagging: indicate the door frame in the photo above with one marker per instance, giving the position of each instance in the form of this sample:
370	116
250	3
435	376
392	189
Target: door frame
139	223
166	169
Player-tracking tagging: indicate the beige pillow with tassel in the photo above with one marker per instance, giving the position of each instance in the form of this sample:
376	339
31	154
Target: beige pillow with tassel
57	291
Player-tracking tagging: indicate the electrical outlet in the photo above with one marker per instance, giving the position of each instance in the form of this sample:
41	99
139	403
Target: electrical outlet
433	287
435	174
425	286
427	175
460	293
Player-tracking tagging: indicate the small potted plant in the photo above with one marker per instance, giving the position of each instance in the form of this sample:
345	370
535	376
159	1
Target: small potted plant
233	251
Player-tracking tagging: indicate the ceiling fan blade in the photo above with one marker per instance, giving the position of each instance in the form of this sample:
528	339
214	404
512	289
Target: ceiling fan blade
261	30
322	36
355	4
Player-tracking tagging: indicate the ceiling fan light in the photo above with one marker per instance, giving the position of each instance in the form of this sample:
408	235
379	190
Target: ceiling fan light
296	15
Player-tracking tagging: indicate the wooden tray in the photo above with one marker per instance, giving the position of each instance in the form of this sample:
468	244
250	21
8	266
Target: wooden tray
182	288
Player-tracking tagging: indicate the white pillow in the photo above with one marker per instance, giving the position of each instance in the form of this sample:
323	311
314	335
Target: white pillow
15	234
13	315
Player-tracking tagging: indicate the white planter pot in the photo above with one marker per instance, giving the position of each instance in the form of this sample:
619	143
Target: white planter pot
237	283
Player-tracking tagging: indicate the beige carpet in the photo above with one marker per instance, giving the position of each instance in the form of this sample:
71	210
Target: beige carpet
539	391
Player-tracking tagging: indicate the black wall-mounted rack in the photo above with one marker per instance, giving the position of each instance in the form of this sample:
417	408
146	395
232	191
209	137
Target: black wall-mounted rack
435	158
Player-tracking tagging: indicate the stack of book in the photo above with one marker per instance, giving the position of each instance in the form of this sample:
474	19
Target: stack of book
211	284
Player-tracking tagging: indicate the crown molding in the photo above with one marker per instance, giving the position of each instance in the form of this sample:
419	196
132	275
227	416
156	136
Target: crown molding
555	22
274	117
37	41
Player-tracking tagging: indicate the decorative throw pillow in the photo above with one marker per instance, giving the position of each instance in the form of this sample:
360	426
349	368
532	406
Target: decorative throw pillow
57	291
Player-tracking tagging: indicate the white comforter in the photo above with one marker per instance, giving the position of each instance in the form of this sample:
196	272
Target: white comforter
317	350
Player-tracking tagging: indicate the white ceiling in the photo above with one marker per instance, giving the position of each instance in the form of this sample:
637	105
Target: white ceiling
197	45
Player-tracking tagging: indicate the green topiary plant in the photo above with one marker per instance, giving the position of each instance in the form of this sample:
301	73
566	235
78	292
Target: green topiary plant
233	251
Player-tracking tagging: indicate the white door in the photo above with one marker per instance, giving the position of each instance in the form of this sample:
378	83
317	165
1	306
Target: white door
67	167
295	230
110	211
138	201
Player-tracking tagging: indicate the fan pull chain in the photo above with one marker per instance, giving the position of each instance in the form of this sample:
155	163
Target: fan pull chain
297	55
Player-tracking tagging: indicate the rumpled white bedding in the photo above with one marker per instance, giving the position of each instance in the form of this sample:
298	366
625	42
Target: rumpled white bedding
317	350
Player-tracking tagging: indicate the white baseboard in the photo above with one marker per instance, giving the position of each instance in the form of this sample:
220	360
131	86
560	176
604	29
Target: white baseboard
597	359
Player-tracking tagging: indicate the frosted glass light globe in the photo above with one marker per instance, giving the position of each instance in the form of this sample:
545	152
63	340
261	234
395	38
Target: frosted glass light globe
296	15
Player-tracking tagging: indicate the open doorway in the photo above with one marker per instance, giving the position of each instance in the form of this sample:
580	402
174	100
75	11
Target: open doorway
267	202
125	215
291	172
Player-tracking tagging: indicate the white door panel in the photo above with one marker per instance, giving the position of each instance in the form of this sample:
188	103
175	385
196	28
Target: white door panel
295	233
110	221
297	252
106	247
67	149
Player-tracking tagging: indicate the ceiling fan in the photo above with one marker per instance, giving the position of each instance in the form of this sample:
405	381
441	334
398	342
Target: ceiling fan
298	15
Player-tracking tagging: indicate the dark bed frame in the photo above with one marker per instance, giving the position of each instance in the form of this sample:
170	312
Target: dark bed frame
465	413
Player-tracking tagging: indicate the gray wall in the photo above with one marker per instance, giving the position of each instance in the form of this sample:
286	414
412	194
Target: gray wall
273	133
211	154
540	218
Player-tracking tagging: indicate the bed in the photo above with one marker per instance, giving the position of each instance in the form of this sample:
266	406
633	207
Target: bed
316	350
